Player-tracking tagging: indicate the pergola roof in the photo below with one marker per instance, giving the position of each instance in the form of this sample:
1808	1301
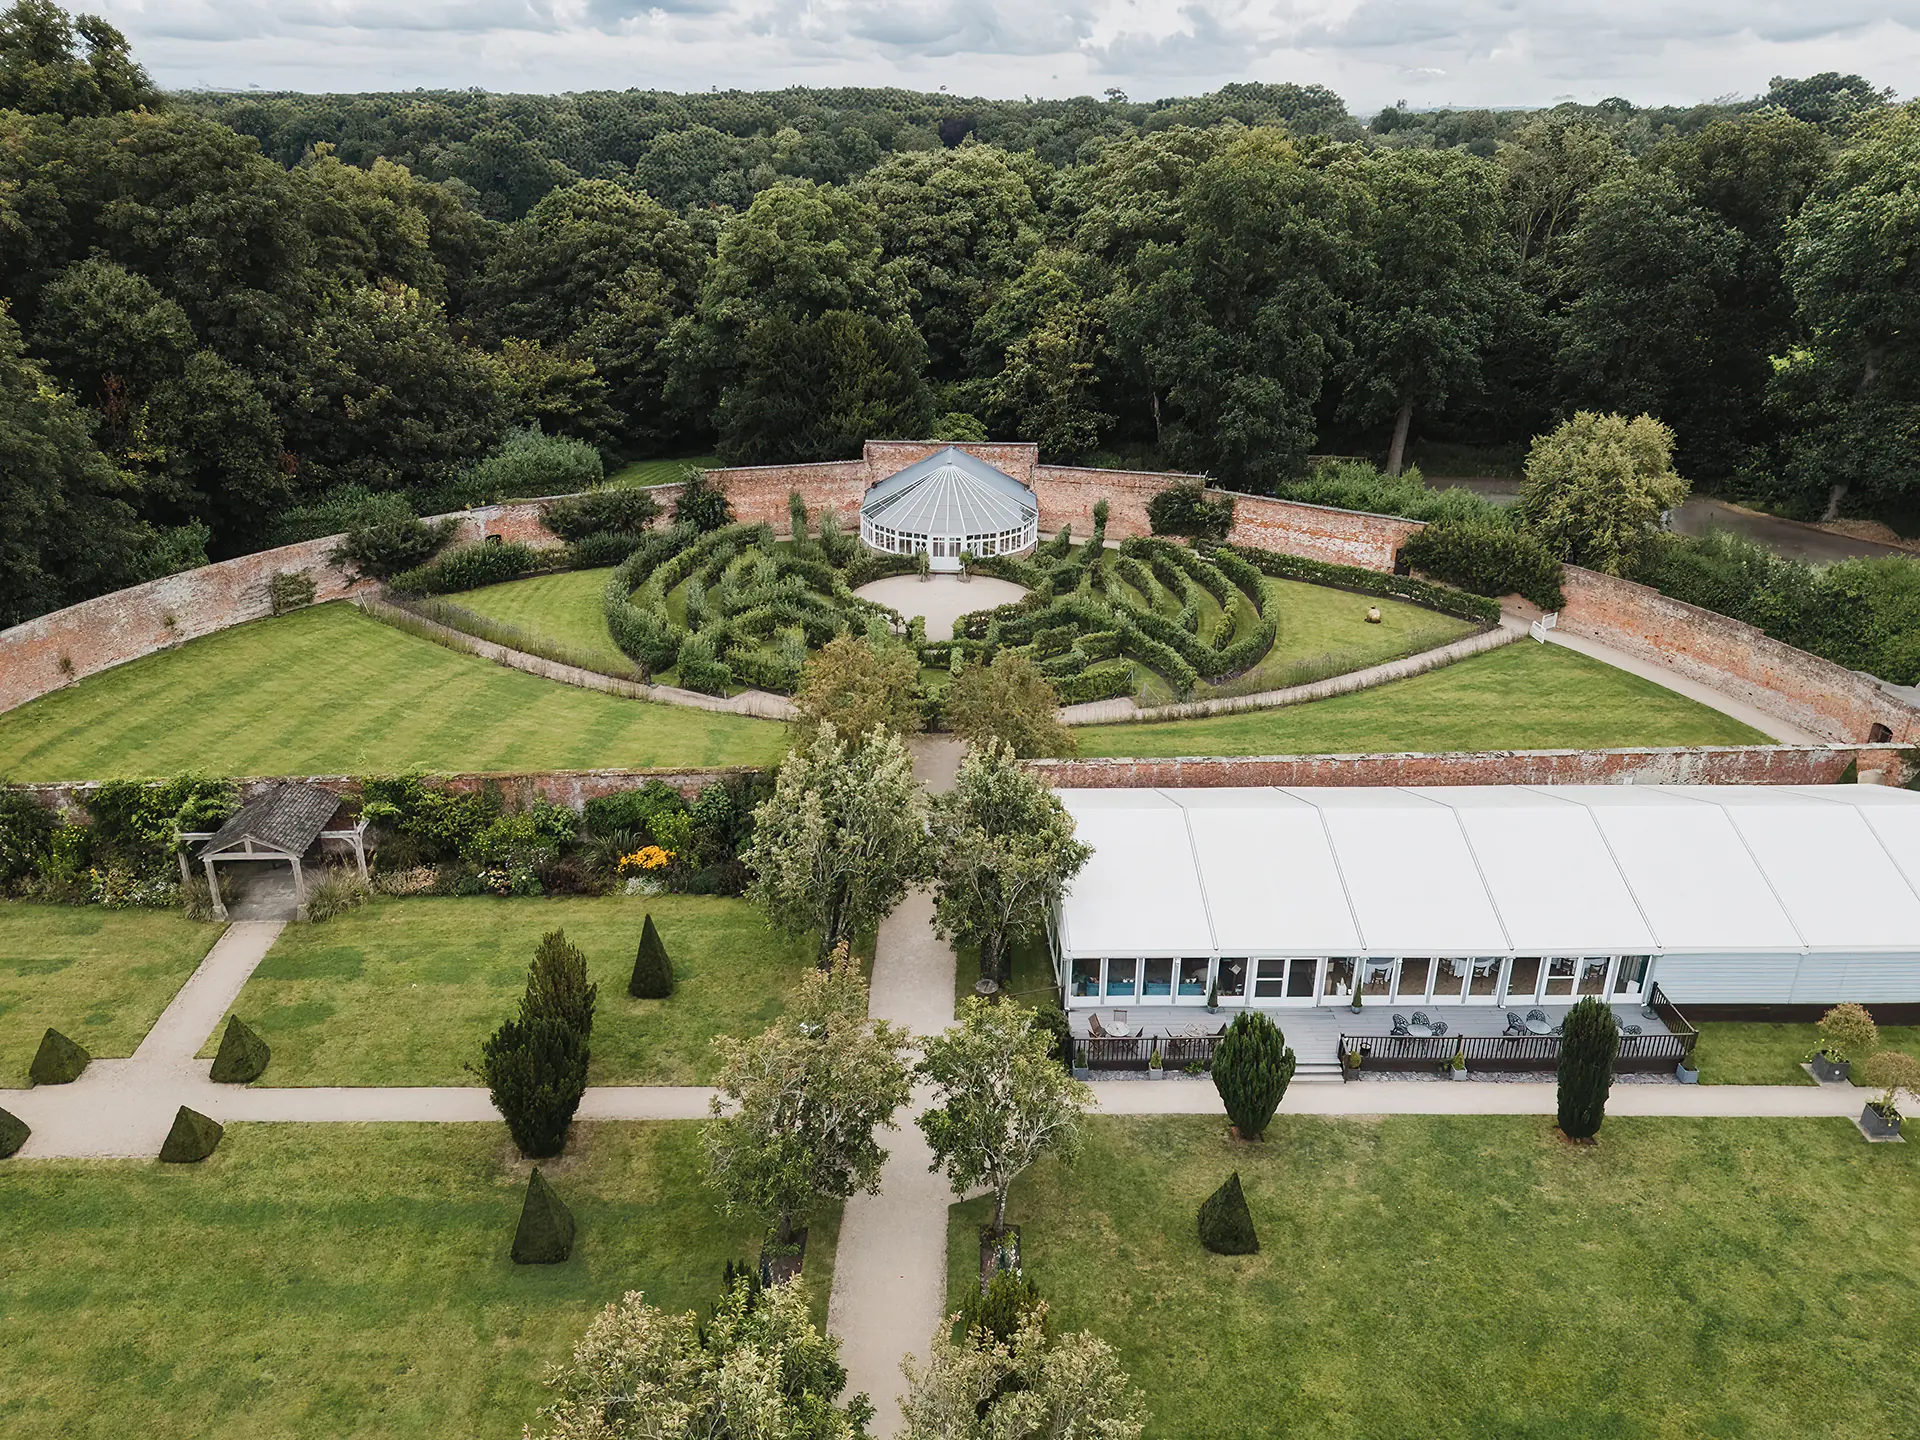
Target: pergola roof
1491	870
950	493
288	818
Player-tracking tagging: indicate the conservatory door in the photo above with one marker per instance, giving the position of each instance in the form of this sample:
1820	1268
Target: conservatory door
1286	982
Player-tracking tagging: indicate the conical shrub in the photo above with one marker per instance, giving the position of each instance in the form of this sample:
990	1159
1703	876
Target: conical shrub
192	1138
13	1133
1252	1068
243	1054
652	970
58	1061
1226	1224
1588	1043
545	1233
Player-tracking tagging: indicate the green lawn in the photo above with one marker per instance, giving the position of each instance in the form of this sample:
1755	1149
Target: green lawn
565	607
1747	1053
1524	696
1477	1277
402	992
98	976
1032	982
1318	623
321	1282
636	473
329	691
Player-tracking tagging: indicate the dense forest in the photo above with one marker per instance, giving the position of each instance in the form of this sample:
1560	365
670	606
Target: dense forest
223	311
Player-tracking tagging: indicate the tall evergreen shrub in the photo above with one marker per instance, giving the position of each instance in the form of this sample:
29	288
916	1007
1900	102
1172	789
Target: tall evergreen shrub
1252	1068
1588	1044
535	1065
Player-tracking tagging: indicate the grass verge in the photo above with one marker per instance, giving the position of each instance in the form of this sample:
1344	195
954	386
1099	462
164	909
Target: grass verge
328	691
1743	1052
317	1282
1524	696
1461	1278
637	473
98	976
402	992
564	608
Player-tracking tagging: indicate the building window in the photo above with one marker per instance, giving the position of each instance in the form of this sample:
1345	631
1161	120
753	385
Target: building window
1120	978
1193	976
1086	979
1232	978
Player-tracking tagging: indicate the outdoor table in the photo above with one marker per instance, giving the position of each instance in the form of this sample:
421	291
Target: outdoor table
1420	1030
1118	1030
1539	1027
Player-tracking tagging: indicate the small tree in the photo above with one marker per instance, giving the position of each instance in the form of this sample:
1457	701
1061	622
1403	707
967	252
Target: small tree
1588	1042
806	1097
757	1368
840	839
535	1065
797	516
1027	1387
1890	1072
1847	1033
701	503
1002	1100
652	970
1008	700
1252	1067
856	684
1005	851
1596	487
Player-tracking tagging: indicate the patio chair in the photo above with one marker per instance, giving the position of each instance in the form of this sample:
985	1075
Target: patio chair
1629	1029
1556	1029
1400	1029
1093	1028
1439	1027
1399	1024
1536	1014
1516	1023
1420	1018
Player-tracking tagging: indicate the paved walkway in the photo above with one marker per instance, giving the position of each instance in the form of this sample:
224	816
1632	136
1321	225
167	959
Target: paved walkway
942	599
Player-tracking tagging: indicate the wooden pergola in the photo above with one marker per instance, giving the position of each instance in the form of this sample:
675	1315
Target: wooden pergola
281	824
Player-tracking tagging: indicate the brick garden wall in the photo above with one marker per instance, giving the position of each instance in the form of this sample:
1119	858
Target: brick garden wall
1734	658
1701	765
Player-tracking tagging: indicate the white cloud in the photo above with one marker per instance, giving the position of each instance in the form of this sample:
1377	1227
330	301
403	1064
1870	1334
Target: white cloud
1464	52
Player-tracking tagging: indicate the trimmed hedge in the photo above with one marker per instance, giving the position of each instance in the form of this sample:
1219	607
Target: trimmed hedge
389	547
600	512
1187	510
1444	598
544	1235
58	1061
242	1057
1491	560
13	1134
192	1138
652	970
472	566
1226	1224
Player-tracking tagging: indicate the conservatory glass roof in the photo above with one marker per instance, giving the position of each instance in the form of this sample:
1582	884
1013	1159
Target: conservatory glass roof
950	493
1489	870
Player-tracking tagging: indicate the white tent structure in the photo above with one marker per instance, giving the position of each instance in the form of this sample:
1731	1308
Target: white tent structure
1500	896
948	504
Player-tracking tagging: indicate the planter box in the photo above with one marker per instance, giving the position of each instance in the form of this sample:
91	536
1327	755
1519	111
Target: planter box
1686	1076
1830	1072
1156	1072
777	1265
1876	1126
991	1248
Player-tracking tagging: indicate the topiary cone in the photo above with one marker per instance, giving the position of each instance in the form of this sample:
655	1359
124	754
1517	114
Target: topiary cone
59	1060
652	970
243	1054
192	1138
1226	1224
545	1233
13	1133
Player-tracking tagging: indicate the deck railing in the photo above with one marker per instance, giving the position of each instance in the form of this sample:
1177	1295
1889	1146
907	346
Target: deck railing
1648	1054
1109	1052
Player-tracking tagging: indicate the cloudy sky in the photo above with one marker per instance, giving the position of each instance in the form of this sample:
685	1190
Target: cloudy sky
1429	52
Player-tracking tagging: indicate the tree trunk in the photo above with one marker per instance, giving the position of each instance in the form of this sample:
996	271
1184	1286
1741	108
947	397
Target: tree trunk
1000	1210
1156	416
1835	494
990	960
783	1231
1397	452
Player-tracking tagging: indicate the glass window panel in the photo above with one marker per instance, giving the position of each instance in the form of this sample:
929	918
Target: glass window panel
1300	979
1560	973
1232	976
1377	979
1159	978
1632	976
1271	983
1086	977
1449	978
1193	975
1120	977
1337	984
1593	975
1485	983
1413	977
1523	977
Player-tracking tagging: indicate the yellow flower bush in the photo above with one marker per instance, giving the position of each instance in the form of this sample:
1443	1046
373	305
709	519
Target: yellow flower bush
647	857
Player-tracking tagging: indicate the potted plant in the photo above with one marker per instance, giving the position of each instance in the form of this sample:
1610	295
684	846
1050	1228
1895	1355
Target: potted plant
1687	1072
1213	997
1155	1069
1890	1072
1356	990
1195	1070
1350	1068
1847	1037
1457	1067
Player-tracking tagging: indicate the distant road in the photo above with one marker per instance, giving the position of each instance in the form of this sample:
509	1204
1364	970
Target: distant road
1788	538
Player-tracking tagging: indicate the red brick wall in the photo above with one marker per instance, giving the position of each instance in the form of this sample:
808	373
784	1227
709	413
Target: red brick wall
1735	658
1343	537
1012	457
1703	765
1068	493
759	492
